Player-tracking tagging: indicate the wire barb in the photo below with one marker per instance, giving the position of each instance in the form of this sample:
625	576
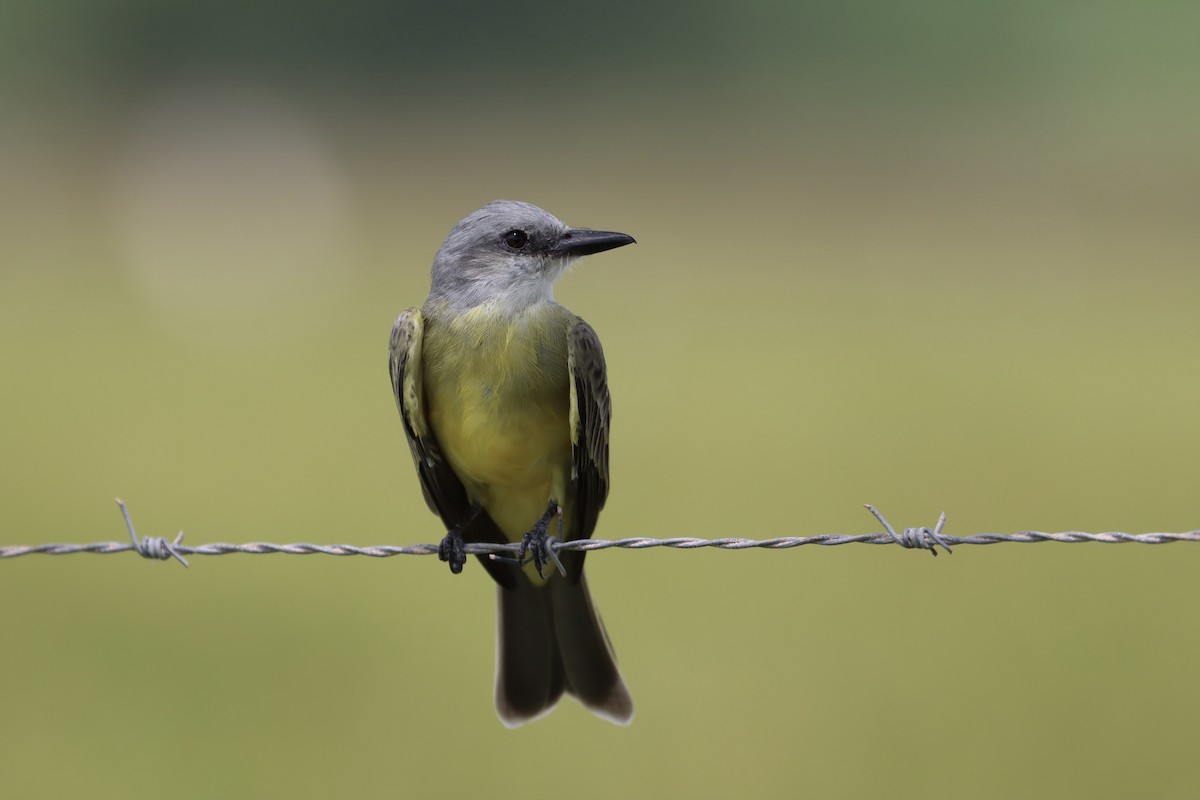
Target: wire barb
552	551
152	546
922	538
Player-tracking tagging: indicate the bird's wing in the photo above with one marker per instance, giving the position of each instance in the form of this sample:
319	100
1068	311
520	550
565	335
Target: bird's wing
591	409
442	489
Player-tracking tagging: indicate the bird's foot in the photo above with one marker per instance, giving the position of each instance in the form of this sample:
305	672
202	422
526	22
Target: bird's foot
535	545
453	549
453	546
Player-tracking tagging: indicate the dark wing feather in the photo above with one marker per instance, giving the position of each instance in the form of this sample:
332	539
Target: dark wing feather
444	492
591	409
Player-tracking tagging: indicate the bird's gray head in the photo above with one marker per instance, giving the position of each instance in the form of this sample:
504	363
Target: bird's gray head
510	252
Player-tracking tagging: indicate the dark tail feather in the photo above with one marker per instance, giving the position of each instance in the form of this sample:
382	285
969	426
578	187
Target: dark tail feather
588	662
529	677
551	639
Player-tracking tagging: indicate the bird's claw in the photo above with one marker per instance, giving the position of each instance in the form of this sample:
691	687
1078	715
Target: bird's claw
454	550
535	545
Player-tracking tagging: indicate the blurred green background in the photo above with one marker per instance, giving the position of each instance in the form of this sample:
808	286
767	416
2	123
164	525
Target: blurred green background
929	255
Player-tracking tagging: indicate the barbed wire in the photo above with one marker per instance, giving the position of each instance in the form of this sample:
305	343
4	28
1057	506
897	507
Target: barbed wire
922	538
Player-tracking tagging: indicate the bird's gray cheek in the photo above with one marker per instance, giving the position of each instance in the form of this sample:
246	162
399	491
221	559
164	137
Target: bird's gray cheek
551	267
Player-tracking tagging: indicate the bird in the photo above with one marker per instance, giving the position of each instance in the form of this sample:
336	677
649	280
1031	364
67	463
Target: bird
504	399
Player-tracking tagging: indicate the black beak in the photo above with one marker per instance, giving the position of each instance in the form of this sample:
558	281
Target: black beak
578	242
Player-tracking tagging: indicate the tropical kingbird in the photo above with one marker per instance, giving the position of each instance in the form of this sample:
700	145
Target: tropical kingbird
505	404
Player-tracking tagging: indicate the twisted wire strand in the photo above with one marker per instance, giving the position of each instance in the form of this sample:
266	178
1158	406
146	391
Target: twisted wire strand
922	538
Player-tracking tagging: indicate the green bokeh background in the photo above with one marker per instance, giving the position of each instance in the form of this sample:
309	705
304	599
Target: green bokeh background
928	255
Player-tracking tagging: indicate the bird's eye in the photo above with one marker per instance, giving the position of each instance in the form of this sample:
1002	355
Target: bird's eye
516	239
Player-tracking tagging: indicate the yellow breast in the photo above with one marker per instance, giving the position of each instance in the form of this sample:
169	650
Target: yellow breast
499	403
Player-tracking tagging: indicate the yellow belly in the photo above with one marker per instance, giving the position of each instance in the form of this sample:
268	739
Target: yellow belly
499	404
513	465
